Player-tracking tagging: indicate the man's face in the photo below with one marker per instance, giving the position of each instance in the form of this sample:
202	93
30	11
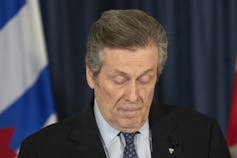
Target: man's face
125	85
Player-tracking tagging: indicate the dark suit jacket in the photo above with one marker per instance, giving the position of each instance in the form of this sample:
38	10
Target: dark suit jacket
189	133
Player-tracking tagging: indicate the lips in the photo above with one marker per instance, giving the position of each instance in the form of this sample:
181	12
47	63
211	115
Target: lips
130	114
130	111
130	107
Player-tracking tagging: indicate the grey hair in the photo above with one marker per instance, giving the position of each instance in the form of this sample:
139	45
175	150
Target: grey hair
125	29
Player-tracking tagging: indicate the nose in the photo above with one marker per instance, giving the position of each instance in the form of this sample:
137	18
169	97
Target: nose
132	93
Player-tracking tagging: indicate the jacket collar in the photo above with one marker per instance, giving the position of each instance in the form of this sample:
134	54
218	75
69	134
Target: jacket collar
86	136
166	141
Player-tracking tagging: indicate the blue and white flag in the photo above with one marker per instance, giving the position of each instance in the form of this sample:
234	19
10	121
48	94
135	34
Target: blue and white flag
26	103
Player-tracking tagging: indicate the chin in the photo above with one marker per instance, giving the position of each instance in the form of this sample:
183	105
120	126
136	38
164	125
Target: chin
132	126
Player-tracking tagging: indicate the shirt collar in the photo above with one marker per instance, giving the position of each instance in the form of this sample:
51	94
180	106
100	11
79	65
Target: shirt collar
108	133
144	130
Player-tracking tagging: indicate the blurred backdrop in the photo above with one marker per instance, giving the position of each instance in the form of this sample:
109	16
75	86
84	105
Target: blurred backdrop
201	54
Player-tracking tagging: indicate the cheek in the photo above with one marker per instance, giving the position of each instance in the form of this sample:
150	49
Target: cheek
108	97
147	98
114	94
147	93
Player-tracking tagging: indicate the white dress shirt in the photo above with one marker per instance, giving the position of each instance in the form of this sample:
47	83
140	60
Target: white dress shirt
113	141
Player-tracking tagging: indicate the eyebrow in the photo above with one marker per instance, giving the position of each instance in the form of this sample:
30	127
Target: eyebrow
118	72
145	72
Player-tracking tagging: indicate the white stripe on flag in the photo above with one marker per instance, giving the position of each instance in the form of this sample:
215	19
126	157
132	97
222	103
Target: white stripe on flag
18	42
52	119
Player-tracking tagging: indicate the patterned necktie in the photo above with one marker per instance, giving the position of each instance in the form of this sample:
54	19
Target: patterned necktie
129	150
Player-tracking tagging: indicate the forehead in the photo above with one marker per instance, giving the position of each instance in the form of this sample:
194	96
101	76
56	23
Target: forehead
134	60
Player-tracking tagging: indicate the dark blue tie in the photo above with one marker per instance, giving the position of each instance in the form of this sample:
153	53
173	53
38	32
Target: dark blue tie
129	150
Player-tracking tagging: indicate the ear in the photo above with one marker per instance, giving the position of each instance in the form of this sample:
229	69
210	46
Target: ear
90	78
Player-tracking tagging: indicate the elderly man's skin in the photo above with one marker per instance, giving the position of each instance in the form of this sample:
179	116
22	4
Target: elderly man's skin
125	85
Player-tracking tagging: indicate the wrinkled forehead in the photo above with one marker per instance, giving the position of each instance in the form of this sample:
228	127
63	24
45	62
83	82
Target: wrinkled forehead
134	60
106	50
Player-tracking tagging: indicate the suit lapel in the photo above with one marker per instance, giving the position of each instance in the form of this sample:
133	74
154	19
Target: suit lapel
166	142
85	136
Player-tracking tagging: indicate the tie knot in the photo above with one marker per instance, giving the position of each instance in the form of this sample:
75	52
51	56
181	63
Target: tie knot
129	137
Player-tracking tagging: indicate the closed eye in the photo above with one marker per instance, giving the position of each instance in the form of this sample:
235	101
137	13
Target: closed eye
120	79
145	79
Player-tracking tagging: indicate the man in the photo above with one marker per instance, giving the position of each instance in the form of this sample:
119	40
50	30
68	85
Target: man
126	53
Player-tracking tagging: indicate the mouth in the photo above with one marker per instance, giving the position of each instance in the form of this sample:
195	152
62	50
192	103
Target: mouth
131	112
